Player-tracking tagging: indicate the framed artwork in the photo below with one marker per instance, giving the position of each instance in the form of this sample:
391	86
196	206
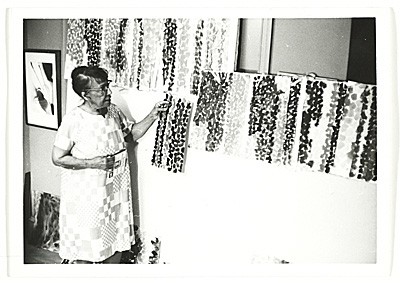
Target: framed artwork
42	88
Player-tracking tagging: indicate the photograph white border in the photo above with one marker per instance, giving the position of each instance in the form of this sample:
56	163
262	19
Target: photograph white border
387	142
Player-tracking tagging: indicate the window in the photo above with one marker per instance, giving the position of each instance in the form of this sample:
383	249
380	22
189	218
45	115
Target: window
338	48
254	45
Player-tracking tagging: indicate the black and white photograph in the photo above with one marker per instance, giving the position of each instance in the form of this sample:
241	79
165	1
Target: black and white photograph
203	143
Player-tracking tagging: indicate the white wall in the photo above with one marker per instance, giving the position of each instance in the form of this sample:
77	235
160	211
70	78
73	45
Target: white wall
38	142
229	210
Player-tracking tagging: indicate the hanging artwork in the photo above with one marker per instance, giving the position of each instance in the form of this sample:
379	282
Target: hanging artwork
319	124
93	37
316	124
338	129
108	47
171	137
291	120
154	53
213	48
42	88
151	62
75	43
246	116
137	41
169	53
235	129
211	107
311	122
267	120
185	54
122	53
196	74
217	44
364	146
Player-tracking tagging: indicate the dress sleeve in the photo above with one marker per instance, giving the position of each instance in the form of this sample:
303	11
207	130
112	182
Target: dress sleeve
126	125
64	136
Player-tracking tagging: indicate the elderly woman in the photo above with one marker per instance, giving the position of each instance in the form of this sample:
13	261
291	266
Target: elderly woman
96	220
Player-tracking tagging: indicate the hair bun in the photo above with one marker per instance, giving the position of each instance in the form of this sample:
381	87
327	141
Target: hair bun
83	76
78	71
80	81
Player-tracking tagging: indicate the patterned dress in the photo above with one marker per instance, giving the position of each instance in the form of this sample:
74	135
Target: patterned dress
96	217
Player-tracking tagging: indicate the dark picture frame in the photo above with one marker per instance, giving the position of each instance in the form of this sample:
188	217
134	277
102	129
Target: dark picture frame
42	88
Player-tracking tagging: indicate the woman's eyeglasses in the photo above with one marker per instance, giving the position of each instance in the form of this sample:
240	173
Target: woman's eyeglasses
104	88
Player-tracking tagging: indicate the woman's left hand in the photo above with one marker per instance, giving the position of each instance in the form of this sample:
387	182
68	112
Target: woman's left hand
159	107
140	128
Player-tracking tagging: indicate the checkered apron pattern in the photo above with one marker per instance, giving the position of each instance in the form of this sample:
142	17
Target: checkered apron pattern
96	217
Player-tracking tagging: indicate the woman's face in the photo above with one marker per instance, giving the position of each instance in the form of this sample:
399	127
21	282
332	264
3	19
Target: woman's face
99	95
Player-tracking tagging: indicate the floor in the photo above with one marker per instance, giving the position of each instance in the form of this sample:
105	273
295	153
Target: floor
34	255
40	256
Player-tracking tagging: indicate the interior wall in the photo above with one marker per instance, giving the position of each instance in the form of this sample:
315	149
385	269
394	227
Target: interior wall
311	45
38	142
362	54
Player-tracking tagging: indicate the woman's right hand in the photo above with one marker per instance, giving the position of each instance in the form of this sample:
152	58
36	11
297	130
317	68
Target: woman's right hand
103	162
64	159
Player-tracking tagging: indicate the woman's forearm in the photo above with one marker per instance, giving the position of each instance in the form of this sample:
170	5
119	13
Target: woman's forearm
140	128
63	158
70	162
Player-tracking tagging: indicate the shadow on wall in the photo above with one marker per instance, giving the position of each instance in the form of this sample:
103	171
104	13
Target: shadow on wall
132	156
